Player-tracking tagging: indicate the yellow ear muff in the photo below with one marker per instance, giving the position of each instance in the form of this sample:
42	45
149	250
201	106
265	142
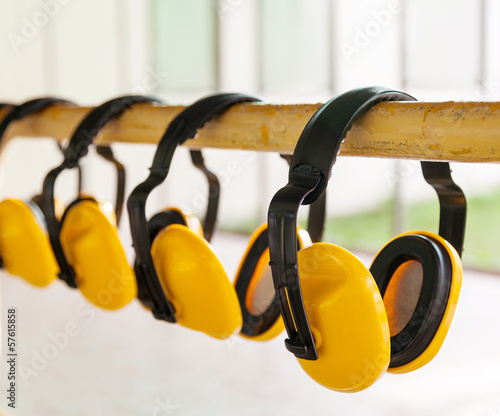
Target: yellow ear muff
195	282
255	287
24	244
255	290
420	284
93	248
259	296
347	318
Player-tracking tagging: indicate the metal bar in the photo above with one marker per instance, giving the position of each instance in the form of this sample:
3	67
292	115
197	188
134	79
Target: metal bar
452	131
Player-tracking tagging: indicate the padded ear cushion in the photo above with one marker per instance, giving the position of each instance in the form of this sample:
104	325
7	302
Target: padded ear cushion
92	246
419	276
347	318
195	282
162	220
255	288
190	220
24	244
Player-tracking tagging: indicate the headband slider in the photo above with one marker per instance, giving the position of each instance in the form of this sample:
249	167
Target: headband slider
308	177
69	276
163	315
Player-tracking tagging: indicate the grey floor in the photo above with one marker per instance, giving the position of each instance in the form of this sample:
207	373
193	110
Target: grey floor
126	363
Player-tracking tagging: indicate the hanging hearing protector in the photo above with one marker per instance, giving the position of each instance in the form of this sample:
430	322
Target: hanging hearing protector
165	217
334	313
254	284
85	241
182	279
419	275
253	277
24	245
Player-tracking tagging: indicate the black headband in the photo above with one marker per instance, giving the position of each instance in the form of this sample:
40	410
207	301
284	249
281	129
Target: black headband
213	194
182	128
26	109
107	153
310	170
317	213
78	146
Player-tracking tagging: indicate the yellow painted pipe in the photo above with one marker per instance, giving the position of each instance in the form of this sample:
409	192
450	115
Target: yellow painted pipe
453	131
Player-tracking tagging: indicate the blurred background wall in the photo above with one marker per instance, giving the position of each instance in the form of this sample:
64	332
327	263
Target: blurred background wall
284	50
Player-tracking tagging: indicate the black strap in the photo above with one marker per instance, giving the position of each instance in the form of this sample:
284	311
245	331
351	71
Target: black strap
92	124
310	170
78	168
107	153
26	109
316	148
452	203
182	128
317	213
213	194
81	139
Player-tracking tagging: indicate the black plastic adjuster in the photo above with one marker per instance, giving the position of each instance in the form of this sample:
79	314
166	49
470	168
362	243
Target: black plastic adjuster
69	277
162	315
297	348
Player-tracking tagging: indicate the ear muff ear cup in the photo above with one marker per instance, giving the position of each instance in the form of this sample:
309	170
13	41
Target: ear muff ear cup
162	220
180	217
93	248
419	275
173	216
195	282
24	244
255	288
347	318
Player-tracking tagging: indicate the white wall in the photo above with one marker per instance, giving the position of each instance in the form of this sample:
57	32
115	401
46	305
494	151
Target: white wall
293	51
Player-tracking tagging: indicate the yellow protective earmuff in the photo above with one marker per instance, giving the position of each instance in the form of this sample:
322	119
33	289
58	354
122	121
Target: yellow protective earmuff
91	244
331	305
347	319
86	242
254	285
24	244
86	220
167	230
178	274
419	275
